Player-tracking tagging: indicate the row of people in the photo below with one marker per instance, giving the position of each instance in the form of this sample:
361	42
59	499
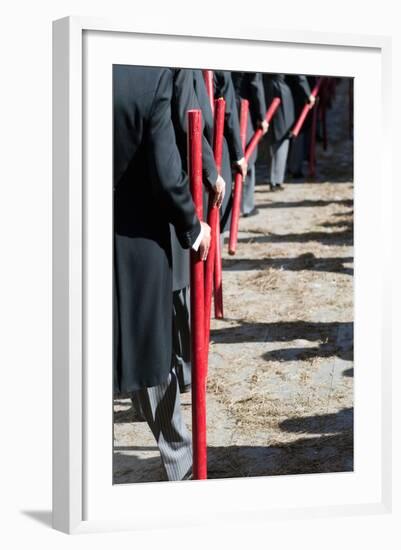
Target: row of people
155	223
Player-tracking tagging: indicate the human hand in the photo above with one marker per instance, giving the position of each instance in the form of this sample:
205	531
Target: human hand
219	191
204	245
264	125
241	166
312	100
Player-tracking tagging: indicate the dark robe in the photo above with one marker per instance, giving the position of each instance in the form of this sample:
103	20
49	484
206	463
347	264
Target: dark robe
283	120
300	90
283	86
250	86
232	148
150	191
184	98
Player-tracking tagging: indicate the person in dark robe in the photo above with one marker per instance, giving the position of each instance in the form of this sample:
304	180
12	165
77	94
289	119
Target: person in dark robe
185	98
278	138
233	159
301	93
250	86
150	192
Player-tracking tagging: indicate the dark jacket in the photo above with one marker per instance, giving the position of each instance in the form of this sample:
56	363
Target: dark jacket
282	86
300	90
250	86
150	190
232	148
184	98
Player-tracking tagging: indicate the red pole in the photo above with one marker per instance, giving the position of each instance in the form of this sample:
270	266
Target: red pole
257	136
312	148
212	220
218	275
197	304
208	78
315	90
232	245
301	119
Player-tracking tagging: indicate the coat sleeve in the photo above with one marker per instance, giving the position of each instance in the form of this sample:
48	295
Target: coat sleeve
186	99
299	85
257	102
268	88
304	86
224	88
169	182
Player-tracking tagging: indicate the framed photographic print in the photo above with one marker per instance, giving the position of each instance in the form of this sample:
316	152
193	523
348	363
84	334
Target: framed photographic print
219	325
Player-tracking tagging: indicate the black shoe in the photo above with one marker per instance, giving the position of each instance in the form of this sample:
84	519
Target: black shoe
279	187
253	212
185	388
272	187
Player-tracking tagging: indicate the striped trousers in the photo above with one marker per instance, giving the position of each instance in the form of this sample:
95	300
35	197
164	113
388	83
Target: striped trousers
160	405
182	337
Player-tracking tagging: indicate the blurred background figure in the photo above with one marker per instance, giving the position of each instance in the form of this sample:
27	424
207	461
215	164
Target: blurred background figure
301	93
278	137
250	86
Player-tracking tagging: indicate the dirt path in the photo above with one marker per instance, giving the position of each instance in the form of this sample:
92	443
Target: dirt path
280	385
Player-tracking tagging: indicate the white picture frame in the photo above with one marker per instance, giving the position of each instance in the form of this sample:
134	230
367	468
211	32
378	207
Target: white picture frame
78	480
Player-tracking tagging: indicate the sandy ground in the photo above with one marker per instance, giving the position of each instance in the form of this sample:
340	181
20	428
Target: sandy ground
280	385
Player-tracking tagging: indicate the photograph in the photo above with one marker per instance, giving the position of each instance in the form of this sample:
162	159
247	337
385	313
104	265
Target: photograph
233	291
199	252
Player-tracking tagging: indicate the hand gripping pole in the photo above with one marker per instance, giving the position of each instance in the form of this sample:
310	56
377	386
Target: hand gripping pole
304	113
257	136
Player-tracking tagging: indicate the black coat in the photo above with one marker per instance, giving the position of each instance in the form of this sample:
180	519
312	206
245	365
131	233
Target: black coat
150	191
232	148
250	86
300	90
184	98
283	120
280	85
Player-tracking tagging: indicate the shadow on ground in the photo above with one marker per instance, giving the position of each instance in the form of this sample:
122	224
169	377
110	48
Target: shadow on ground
307	203
304	262
135	469
324	423
333	338
327	446
334	238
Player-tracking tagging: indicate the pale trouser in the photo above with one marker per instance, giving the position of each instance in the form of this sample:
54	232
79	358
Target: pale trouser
160	406
278	153
248	191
